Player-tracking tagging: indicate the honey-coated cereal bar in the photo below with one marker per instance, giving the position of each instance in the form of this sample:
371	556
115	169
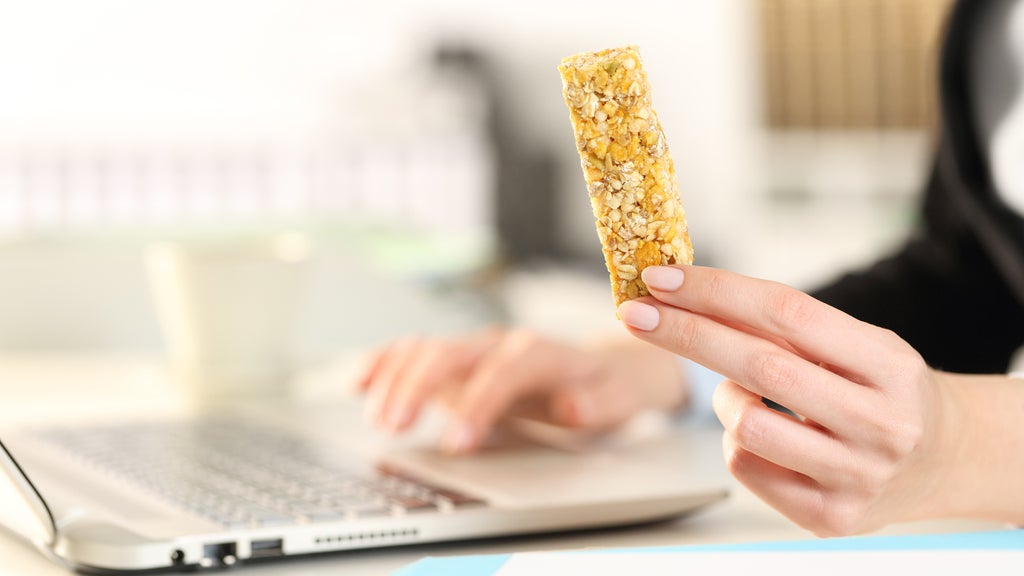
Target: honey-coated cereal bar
627	167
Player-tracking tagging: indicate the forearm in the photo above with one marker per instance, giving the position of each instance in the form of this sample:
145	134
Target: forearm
984	458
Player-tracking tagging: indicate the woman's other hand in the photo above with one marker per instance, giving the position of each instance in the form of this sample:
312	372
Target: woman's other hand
482	378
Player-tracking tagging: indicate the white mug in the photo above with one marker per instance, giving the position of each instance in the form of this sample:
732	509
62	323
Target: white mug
229	311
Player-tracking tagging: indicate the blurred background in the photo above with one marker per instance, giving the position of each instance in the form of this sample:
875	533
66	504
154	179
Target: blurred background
424	148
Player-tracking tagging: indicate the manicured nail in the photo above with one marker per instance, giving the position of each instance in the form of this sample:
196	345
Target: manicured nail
459	438
639	315
664	278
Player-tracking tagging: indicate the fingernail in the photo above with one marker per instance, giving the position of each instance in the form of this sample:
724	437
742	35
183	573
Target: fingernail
459	438
583	405
664	278
398	418
372	408
639	315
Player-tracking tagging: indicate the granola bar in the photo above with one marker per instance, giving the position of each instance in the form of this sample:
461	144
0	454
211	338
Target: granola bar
627	167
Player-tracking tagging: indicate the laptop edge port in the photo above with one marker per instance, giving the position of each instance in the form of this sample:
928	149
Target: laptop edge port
268	548
219	554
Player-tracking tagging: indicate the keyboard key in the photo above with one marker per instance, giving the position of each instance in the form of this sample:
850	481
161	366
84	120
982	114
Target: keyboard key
323	516
275	520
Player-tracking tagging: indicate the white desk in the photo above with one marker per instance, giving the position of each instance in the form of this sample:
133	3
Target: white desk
47	388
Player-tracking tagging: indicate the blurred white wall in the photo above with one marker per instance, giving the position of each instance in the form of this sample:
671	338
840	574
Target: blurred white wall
288	78
137	73
147	80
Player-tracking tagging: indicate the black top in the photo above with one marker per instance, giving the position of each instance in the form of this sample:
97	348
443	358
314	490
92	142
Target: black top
955	291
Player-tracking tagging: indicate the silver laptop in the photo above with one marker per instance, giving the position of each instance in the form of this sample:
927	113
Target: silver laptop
252	484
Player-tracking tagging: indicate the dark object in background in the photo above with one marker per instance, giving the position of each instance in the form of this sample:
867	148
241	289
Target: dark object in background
525	209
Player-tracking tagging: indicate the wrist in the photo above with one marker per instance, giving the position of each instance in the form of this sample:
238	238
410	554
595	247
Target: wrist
664	379
654	374
948	475
981	441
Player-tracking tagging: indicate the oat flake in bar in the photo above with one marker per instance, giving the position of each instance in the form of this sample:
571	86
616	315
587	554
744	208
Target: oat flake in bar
626	163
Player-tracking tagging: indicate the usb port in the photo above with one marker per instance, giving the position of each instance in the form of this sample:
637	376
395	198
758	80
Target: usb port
267	548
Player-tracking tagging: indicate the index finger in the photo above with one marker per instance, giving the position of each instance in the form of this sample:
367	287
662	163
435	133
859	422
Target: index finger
814	329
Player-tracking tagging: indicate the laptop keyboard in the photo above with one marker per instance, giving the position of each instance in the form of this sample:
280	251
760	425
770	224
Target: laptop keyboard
242	475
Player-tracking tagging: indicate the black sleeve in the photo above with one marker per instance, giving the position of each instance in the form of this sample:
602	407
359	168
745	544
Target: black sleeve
941	292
